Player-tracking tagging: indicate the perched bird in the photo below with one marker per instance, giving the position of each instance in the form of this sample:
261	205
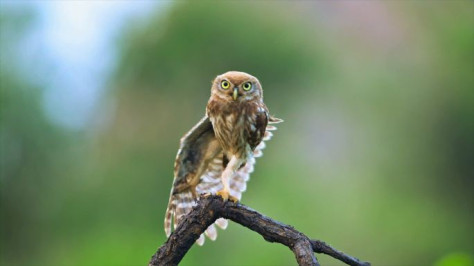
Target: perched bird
218	154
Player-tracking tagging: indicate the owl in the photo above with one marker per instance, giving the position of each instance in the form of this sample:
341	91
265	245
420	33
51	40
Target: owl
218	154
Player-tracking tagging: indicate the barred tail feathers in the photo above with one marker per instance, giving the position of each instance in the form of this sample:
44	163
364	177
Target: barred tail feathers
169	215
178	207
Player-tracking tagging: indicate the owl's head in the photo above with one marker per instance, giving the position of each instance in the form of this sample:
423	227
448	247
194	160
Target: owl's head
237	86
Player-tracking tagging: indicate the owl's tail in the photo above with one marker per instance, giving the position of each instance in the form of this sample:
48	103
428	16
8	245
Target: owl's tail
178	206
170	211
181	204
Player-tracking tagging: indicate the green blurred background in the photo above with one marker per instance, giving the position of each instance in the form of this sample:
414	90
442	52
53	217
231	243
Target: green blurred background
375	156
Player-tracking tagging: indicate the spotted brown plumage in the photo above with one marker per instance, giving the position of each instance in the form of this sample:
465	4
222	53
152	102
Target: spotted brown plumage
218	154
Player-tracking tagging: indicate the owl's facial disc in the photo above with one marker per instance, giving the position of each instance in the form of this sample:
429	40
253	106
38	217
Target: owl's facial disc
234	86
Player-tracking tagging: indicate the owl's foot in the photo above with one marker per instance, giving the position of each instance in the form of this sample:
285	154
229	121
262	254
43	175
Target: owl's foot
206	195
226	196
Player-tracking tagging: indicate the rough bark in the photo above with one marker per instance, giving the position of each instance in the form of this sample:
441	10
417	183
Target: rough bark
208	209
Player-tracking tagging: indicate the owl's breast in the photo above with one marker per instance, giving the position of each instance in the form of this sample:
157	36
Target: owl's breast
230	129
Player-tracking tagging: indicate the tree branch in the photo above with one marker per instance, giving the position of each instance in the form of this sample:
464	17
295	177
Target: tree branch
211	208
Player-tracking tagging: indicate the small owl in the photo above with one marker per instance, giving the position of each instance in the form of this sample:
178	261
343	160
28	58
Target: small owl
218	154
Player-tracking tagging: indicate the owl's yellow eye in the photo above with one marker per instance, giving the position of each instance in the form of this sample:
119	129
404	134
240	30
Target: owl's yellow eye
247	86
225	84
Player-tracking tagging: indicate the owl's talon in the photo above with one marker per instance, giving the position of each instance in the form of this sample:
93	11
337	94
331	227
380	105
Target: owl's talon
233	199
226	196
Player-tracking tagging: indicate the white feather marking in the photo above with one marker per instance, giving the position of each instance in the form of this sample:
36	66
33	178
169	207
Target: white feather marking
211	232
268	135
222	223
200	240
184	205
252	127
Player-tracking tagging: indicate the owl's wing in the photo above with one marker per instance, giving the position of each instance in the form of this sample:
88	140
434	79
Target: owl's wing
197	149
211	179
238	183
274	120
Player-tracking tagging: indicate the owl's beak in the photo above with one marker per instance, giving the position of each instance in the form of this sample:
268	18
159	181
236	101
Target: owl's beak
236	93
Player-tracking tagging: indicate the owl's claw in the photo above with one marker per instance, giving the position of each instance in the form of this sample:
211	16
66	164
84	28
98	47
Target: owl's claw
226	196
233	199
206	195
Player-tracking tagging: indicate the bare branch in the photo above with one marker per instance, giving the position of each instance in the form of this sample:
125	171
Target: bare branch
211	208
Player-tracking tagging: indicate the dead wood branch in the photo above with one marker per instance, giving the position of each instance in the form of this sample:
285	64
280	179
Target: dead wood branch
211	208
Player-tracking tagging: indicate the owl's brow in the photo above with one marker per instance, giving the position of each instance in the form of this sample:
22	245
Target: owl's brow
242	81
220	79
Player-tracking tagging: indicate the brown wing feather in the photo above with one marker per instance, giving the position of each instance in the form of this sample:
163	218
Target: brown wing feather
256	130
197	149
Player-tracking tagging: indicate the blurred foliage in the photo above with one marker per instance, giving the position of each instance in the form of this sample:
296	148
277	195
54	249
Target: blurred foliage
172	54
374	157
33	153
456	259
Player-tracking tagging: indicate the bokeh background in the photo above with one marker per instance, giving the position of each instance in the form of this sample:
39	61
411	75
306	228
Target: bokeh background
375	155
